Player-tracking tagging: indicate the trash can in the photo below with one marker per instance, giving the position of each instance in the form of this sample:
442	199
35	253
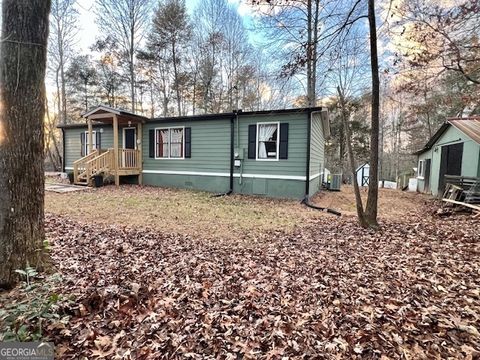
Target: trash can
70	177
98	180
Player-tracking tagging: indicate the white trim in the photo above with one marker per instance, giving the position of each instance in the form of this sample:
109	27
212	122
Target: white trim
315	176
169	142
94	139
104	108
267	176
175	172
199	173
68	168
123	136
421	169
278	140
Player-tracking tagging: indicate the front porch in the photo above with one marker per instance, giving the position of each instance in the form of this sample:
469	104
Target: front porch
115	161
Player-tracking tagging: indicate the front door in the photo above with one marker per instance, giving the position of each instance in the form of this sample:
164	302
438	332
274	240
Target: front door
129	140
450	163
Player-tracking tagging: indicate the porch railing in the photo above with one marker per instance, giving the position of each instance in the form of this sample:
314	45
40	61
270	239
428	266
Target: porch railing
100	164
80	166
129	159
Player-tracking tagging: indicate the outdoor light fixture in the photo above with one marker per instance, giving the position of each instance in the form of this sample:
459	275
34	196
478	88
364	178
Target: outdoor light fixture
129	123
101	130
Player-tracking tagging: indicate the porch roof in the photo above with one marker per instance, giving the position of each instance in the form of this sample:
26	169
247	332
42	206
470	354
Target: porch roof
104	114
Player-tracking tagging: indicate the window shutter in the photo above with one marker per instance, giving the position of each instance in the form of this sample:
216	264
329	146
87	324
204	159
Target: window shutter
98	140
151	143
252	141
82	144
188	142
283	141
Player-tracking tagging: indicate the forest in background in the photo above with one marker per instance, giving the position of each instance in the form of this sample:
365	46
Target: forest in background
157	58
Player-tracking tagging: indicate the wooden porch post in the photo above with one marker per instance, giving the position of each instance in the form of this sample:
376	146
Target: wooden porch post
115	149
140	152
90	136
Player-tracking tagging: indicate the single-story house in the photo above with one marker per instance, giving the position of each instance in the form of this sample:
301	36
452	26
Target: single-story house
278	153
454	150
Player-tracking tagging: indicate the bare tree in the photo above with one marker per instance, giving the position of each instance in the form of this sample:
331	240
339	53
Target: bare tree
22	95
351	158
371	209
63	30
171	30
125	21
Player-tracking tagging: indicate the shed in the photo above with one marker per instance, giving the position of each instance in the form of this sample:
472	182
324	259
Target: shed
454	150
363	174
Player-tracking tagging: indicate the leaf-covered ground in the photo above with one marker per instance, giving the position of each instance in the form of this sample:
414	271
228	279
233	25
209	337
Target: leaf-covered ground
325	290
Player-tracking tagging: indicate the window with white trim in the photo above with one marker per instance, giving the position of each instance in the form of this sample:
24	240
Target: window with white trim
421	169
87	141
267	141
170	143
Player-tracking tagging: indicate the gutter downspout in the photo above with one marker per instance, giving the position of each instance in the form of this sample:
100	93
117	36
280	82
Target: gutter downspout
63	150
307	173
232	150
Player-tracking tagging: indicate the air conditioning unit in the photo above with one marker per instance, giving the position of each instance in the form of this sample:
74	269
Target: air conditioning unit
335	182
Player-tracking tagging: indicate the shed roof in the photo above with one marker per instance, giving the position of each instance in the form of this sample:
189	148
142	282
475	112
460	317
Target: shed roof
470	126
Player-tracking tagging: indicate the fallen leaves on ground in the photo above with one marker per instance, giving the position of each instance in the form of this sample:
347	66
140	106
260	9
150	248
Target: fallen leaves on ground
325	290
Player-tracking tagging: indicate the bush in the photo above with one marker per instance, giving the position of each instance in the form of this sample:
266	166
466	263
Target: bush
23	319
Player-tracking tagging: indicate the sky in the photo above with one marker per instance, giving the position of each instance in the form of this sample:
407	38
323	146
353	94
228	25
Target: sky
88	31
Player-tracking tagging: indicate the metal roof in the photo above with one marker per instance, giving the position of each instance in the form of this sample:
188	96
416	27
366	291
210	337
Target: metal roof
470	126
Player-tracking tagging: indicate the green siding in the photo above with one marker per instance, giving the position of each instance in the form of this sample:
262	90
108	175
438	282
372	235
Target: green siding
297	137
317	159
294	166
470	158
210	148
73	145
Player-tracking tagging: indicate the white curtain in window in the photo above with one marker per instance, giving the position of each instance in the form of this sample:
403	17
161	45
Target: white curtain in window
164	134
265	133
176	142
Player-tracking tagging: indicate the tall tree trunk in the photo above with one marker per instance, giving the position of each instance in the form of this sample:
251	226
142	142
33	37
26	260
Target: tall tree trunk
55	158
59	95
358	198
22	95
194	95
175	74
371	209
59	76
152	102
63	88
310	99
132	68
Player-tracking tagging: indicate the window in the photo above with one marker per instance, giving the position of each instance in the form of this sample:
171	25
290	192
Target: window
267	141
87	142
169	143
421	169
